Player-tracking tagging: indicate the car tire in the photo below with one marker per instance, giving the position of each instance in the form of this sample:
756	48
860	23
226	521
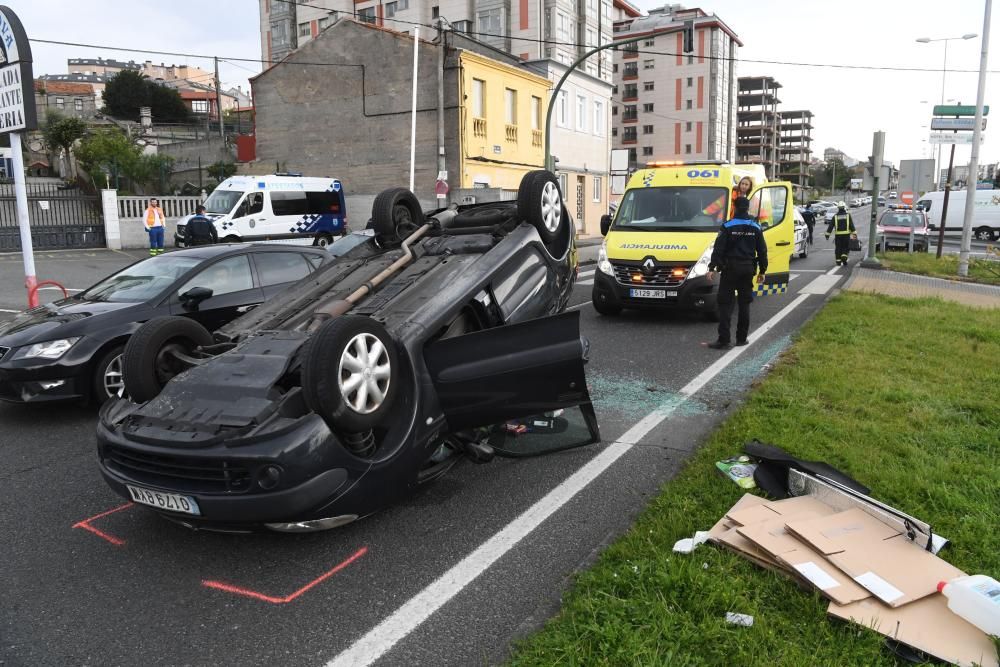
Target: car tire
232	239
805	250
396	213
540	202
337	365
985	234
145	369
322	240
108	376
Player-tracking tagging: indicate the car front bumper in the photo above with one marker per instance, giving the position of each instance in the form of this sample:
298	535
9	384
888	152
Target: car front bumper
27	381
693	294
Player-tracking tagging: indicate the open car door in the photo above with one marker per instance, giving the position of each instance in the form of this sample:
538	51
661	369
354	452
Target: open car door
526	381
772	206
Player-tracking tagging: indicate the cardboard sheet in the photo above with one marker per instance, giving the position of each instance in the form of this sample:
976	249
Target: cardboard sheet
926	625
875	555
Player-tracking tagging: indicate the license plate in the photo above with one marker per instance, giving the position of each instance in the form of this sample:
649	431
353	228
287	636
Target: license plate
165	501
651	293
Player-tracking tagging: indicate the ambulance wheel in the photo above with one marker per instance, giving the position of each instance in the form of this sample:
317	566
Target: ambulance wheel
396	214
540	202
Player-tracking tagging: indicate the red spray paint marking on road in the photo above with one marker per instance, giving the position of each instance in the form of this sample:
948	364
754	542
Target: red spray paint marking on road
246	592
85	525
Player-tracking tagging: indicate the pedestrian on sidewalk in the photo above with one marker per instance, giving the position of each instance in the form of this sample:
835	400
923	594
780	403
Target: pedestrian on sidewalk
842	228
155	222
201	230
809	217
740	252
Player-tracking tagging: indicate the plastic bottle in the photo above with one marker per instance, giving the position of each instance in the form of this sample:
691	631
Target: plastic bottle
976	599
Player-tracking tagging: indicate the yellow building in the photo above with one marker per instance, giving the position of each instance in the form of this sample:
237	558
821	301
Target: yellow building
502	116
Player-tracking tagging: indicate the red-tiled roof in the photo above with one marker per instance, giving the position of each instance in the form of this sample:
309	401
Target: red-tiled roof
196	95
64	88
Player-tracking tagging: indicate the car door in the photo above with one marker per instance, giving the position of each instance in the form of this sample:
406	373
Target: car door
771	205
277	270
233	292
516	379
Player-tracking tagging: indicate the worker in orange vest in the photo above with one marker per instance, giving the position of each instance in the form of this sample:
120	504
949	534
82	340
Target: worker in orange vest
155	222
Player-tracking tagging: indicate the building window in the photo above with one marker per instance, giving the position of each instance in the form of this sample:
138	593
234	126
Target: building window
687	149
689	104
614	111
462	26
647	150
598	188
367	15
630	112
631	91
435	12
304	29
478	98
614	132
631	69
60	102
628	133
691	60
562	185
562	109
324	22
390	9
510	101
599	118
536	113
647	129
199	106
631	156
688	126
614	68
581	113
607	10
648	64
491	21
279	35
647	107
649	42
649	85
78	104
690	81
591	40
614	89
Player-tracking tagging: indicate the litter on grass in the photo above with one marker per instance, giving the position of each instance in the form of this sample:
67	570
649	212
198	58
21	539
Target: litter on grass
739	619
689	544
739	469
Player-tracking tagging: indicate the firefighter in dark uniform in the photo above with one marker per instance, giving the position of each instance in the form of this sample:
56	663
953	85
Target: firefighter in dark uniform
740	252
201	230
842	228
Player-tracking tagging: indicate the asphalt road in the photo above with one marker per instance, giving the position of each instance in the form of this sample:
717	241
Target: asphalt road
126	587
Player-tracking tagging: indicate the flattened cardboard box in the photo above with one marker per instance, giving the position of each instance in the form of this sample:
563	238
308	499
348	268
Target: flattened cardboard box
875	555
724	533
927	625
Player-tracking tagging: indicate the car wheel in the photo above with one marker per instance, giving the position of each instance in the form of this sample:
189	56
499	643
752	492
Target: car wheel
322	240
108	376
232	239
539	202
985	234
350	373
805	250
147	362
396	214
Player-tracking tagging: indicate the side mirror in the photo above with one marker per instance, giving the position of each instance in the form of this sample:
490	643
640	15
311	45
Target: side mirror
194	296
605	224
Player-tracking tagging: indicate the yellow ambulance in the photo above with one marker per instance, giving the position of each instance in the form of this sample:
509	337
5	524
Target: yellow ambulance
657	247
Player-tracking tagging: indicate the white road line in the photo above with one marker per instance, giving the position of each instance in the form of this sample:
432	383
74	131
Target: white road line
792	277
7	310
579	305
587	273
382	638
811	270
585	282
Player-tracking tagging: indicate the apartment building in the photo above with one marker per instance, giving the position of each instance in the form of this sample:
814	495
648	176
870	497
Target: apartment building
795	147
758	130
671	105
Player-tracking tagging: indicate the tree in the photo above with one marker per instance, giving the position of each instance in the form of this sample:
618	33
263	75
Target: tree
111	152
220	171
124	93
167	105
61	133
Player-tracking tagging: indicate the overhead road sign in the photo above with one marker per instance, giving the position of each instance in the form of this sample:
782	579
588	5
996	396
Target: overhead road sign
955	123
953	138
959	109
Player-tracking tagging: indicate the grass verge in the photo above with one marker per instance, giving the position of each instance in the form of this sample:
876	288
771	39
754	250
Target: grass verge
926	264
900	393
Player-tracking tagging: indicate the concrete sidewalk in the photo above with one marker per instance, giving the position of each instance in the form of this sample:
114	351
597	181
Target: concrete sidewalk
907	285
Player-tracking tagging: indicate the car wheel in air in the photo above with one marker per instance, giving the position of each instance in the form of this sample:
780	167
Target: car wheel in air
148	362
540	202
350	373
322	240
108	376
396	214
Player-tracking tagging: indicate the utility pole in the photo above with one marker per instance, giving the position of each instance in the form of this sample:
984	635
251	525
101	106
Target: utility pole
878	148
970	195
218	98
442	166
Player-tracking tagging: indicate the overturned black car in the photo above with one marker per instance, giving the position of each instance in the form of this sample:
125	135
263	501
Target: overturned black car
435	338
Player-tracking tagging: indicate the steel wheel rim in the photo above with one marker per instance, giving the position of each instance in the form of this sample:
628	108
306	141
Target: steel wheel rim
363	373
551	206
114	384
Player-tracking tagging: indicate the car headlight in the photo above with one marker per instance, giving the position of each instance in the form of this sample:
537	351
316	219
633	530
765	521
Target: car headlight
701	266
51	349
603	265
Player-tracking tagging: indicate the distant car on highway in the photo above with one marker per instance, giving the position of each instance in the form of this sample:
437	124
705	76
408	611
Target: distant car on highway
881	201
72	349
893	229
892	194
857	203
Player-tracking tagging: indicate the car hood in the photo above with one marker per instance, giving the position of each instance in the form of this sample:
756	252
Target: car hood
56	320
664	246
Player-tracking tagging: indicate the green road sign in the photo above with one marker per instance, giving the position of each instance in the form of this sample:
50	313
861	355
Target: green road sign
958	110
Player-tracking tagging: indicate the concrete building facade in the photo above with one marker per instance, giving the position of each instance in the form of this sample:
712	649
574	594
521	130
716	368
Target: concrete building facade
795	147
668	105
76	100
759	124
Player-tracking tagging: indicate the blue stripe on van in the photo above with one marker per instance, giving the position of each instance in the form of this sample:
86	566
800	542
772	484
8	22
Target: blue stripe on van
313	223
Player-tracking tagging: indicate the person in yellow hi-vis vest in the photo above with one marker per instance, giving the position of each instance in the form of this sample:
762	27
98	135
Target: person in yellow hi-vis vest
842	227
155	223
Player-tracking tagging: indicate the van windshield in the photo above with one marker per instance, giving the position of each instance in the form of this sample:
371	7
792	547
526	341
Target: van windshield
673	209
222	201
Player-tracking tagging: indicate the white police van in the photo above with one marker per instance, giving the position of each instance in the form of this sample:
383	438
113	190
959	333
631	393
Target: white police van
270	208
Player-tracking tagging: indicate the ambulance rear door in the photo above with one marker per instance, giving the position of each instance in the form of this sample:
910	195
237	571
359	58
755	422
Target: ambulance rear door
772	206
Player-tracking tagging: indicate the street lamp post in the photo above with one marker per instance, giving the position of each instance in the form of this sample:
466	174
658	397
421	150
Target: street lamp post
944	73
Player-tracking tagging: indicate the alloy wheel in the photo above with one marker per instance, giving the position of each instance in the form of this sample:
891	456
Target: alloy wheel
551	206
114	384
364	373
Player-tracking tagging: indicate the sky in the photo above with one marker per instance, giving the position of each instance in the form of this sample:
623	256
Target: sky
849	104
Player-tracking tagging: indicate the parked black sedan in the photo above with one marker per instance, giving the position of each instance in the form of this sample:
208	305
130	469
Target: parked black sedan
439	336
72	349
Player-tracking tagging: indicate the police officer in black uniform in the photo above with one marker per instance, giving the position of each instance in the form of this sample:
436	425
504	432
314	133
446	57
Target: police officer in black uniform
809	217
740	252
200	230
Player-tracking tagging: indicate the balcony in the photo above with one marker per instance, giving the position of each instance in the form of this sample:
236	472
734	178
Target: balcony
537	137
510	131
479	127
